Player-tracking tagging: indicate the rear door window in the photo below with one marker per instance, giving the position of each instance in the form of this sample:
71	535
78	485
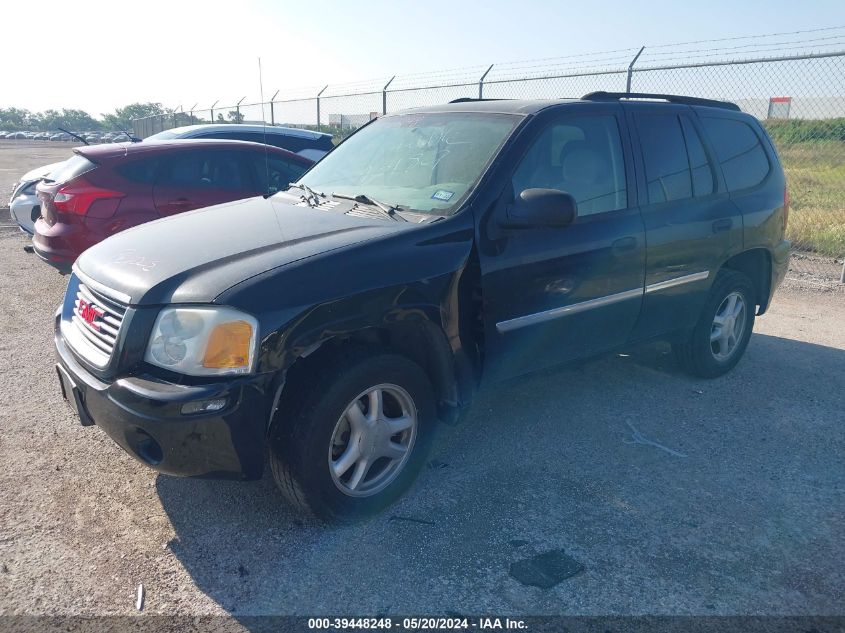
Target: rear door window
667	167
290	143
230	136
140	171
739	151
703	182
224	170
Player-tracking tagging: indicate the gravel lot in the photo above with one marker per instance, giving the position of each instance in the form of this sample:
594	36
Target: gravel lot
18	157
750	521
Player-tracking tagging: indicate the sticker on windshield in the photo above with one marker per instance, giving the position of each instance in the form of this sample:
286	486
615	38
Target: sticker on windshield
443	195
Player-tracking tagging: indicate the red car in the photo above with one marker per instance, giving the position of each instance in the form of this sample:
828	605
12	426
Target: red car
105	189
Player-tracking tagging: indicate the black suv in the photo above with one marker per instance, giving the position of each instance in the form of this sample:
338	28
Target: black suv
332	325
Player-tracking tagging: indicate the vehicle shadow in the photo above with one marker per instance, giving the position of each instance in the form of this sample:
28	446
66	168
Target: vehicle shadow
502	485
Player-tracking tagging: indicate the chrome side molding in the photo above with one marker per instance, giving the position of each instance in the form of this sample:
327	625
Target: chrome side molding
575	308
554	313
677	281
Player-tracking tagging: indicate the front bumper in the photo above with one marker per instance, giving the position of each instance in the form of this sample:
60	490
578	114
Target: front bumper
142	414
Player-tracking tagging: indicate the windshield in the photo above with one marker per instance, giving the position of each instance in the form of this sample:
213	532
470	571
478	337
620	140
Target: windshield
422	162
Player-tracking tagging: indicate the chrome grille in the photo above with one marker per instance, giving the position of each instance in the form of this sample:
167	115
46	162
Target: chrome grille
97	319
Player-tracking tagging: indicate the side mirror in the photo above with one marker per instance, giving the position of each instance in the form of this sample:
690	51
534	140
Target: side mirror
535	208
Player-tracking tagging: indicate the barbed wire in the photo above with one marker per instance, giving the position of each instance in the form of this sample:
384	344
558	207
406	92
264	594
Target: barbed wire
611	60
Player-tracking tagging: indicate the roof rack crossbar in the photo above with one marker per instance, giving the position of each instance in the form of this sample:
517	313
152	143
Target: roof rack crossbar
618	96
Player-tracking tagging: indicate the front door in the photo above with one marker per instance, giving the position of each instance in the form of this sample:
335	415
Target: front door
554	294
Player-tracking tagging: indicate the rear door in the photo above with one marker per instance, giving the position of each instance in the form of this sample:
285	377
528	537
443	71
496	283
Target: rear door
202	177
554	294
692	226
751	173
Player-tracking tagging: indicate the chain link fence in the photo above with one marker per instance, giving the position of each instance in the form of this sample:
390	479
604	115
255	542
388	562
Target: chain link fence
799	97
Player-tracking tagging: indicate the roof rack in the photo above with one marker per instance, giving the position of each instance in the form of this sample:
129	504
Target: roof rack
618	96
473	99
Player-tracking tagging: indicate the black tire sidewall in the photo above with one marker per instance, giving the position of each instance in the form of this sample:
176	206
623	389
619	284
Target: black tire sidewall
725	284
304	443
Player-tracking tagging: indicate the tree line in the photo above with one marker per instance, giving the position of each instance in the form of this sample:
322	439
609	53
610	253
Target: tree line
20	119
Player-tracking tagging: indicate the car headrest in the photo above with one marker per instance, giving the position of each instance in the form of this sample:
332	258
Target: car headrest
580	163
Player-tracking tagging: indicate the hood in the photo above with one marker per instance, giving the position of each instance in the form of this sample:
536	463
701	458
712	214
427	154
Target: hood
195	256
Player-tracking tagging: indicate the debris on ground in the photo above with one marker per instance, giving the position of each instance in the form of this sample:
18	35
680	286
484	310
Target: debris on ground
139	598
639	438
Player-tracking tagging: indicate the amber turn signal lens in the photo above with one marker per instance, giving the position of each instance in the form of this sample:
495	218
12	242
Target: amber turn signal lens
228	346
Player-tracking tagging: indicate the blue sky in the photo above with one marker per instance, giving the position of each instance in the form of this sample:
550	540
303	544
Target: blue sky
104	54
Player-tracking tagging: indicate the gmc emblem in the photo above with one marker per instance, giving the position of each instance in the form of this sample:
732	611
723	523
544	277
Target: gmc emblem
88	312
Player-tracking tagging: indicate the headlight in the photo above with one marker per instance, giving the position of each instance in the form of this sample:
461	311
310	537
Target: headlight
203	341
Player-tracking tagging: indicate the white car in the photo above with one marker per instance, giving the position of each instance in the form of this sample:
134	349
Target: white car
23	205
307	143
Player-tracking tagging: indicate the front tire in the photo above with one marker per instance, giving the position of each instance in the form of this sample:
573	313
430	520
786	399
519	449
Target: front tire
356	438
723	331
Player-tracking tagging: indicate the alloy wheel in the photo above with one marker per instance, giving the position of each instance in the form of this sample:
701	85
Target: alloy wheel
728	326
372	440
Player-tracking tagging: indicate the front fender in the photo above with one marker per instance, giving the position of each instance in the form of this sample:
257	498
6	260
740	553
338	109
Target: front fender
342	318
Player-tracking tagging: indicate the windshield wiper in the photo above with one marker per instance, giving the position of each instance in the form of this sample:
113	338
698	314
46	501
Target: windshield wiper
312	197
389	211
76	136
132	139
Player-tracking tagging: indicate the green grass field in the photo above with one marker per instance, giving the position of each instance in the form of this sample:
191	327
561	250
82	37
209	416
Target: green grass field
815	173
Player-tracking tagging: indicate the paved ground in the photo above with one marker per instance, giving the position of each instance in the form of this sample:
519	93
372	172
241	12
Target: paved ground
750	521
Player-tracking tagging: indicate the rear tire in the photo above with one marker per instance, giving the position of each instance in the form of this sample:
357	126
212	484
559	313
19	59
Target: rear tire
723	331
355	440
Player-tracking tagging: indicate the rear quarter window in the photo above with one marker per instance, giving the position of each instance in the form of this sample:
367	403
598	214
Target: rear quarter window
739	151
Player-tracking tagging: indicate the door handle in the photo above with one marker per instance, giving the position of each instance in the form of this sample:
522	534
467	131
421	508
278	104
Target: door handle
722	225
624	244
